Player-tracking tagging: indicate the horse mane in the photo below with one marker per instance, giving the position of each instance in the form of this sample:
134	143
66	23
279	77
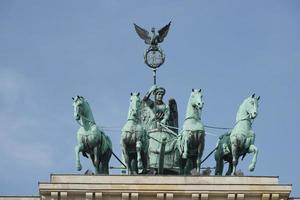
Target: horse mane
242	109
88	110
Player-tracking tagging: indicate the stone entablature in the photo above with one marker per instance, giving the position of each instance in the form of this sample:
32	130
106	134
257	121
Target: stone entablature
164	187
90	187
20	198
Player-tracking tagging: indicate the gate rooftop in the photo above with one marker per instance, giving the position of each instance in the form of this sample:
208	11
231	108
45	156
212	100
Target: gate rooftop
164	187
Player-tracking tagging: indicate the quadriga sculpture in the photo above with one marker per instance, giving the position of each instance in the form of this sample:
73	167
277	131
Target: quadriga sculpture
192	140
90	139
134	140
240	140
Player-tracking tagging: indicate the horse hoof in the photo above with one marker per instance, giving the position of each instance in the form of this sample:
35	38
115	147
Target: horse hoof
251	168
78	167
140	165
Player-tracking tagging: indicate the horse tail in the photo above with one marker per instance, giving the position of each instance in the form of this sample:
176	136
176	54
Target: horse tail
108	142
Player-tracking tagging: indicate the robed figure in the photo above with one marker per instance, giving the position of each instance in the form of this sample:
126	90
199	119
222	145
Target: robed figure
161	123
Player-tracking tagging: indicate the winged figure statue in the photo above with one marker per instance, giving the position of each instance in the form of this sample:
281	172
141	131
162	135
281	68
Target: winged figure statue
156	38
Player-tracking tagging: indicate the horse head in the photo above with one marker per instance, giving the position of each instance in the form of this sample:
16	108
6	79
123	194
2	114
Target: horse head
135	106
78	107
82	110
251	106
196	99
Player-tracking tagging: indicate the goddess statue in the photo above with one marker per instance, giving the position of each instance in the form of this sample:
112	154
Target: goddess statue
160	110
160	121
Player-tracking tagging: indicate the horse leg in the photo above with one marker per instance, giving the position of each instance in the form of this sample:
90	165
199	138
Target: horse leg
138	151
230	168
132	164
234	146
129	168
92	159
134	169
144	162
126	156
253	149
182	163
194	162
96	160
101	168
78	149
219	164
200	152
105	167
107	159
104	162
185	145
188	166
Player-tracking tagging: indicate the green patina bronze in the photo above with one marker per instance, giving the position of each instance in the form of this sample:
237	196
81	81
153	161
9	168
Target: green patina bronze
134	140
150	139
156	117
90	139
154	56
153	125
192	140
240	140
169	150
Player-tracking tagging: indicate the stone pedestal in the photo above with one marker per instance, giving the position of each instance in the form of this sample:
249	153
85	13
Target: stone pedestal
163	187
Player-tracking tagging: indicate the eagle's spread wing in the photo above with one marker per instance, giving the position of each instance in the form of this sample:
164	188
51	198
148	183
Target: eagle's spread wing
163	32
143	34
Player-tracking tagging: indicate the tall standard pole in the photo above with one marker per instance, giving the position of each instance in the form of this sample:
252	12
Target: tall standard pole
154	76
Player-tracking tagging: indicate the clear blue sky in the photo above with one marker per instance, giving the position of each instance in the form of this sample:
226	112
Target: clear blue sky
53	50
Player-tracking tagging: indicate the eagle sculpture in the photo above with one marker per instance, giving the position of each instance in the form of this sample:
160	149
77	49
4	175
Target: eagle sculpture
156	38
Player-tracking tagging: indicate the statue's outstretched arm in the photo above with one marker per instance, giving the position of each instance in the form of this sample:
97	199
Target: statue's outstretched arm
148	94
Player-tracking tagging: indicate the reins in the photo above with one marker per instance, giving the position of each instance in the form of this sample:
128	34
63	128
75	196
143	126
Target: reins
83	117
